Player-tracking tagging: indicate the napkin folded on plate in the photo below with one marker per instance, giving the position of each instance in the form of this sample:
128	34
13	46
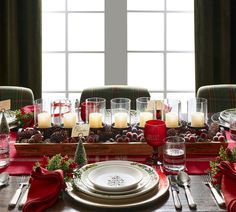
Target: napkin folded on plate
45	187
228	184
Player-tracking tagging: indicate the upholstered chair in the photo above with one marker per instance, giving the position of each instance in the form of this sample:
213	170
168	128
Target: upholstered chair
115	91
220	97
19	96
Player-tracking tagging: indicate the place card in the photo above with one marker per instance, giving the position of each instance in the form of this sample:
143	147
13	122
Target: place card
80	129
5	104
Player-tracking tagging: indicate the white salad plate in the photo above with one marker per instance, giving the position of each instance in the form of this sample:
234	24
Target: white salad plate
115	177
149	181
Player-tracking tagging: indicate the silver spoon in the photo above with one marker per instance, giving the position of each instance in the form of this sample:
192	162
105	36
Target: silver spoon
4	177
183	179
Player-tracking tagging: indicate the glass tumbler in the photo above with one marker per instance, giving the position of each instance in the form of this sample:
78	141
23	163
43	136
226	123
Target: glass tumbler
174	154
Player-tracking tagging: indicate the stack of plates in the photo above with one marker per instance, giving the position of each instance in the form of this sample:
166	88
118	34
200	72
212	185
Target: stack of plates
117	184
223	117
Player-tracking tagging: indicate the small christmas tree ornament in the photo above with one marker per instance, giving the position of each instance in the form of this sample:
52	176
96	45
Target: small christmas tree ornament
4	142
80	153
4	127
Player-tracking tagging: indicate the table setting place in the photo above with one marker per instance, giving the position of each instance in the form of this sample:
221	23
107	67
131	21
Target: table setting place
158	178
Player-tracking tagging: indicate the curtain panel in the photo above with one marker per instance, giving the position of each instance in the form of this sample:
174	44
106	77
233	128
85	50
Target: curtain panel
20	44
215	42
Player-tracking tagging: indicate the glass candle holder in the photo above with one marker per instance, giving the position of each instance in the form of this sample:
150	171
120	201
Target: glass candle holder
197	112
42	114
95	112
120	112
145	110
59	109
172	113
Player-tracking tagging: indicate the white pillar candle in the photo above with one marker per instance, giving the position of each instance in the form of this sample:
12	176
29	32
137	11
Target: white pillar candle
172	120
95	120
121	120
69	120
143	117
197	119
44	120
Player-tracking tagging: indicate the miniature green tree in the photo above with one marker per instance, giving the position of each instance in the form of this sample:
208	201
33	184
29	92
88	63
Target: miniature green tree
80	154
4	127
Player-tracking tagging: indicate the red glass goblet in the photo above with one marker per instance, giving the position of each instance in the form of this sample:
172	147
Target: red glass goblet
155	134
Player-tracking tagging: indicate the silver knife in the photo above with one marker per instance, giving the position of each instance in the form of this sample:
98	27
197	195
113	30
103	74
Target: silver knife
175	191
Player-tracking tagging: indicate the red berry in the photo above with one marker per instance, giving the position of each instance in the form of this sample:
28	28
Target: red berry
221	138
203	135
192	138
129	134
126	140
120	139
135	136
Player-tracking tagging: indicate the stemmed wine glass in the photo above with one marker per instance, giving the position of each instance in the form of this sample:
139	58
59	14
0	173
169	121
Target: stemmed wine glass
155	134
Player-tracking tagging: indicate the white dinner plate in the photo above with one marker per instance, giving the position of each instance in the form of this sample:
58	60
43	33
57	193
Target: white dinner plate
133	202
115	177
143	187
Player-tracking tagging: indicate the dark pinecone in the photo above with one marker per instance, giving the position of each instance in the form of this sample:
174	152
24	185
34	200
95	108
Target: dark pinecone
26	133
49	131
171	132
36	138
58	136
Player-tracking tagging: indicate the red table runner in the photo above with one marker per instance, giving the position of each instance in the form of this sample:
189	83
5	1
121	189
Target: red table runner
20	165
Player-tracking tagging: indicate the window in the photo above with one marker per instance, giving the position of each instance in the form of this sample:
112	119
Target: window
148	43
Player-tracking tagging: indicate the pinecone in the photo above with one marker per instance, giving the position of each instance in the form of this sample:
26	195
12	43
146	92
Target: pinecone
36	138
171	132
58	136
26	133
49	131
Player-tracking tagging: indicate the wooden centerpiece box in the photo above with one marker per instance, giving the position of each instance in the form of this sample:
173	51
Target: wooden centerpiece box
106	141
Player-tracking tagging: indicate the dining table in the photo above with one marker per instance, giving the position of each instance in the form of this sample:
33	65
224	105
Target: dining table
196	167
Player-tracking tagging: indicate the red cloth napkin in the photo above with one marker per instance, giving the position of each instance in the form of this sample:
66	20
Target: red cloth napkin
228	184
44	189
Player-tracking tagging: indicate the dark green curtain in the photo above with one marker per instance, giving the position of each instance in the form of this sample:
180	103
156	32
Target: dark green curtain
20	44
215	42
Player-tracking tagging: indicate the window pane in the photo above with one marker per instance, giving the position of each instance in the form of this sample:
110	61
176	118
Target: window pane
145	4
85	5
183	97
52	96
53	72
53	5
180	5
157	96
86	32
74	96
53	32
180	31
86	70
145	31
180	71
146	70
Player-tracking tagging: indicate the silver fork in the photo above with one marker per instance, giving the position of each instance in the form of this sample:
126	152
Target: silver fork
207	181
17	194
